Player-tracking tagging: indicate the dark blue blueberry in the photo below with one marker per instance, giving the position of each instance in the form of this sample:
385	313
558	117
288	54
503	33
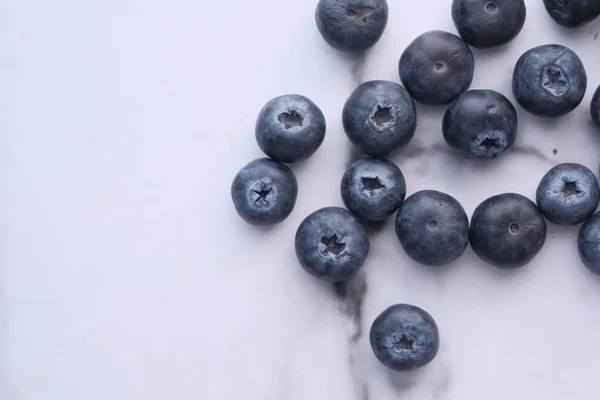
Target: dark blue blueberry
290	128
480	124
488	23
404	337
572	13
373	188
568	194
588	243
549	80
436	67
595	107
351	25
332	244
264	192
379	117
507	230
432	227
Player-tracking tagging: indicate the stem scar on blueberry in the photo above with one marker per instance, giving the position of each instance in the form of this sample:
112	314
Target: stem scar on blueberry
262	194
332	245
514	228
371	184
290	118
404	343
571	189
439	67
360	14
382	115
433	224
491	7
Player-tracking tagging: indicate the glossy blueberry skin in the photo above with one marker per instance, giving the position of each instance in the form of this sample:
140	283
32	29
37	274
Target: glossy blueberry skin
595	107
488	23
480	124
433	228
507	230
568	194
549	80
351	25
588	243
572	13
436	67
373	188
264	192
404	337
290	128
332	244
379	117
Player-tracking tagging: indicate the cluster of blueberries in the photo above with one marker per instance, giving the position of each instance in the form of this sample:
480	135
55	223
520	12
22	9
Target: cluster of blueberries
506	230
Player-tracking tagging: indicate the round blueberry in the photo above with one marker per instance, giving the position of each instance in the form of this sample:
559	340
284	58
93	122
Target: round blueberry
595	107
507	230
332	244
379	117
488	23
264	192
432	227
404	337
436	67
549	80
373	188
568	194
290	128
588	243
572	13
480	124
351	25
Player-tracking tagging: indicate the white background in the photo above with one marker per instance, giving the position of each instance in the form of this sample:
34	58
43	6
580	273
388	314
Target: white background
127	274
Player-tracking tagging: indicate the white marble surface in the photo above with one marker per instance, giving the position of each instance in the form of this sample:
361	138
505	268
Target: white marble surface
126	273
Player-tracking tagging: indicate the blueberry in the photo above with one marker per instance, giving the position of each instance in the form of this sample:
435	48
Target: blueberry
480	124
404	337
588	243
373	188
331	244
595	107
488	23
379	117
572	13
549	80
507	230
568	194
432	227
264	192
436	67
290	128
351	25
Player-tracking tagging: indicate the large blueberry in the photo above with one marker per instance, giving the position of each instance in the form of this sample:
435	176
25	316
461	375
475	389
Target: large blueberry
507	230
488	23
379	117
588	243
480	124
404	337
568	194
432	227
332	244
351	25
264	192
549	80
595	107
436	67
290	128
373	188
572	13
